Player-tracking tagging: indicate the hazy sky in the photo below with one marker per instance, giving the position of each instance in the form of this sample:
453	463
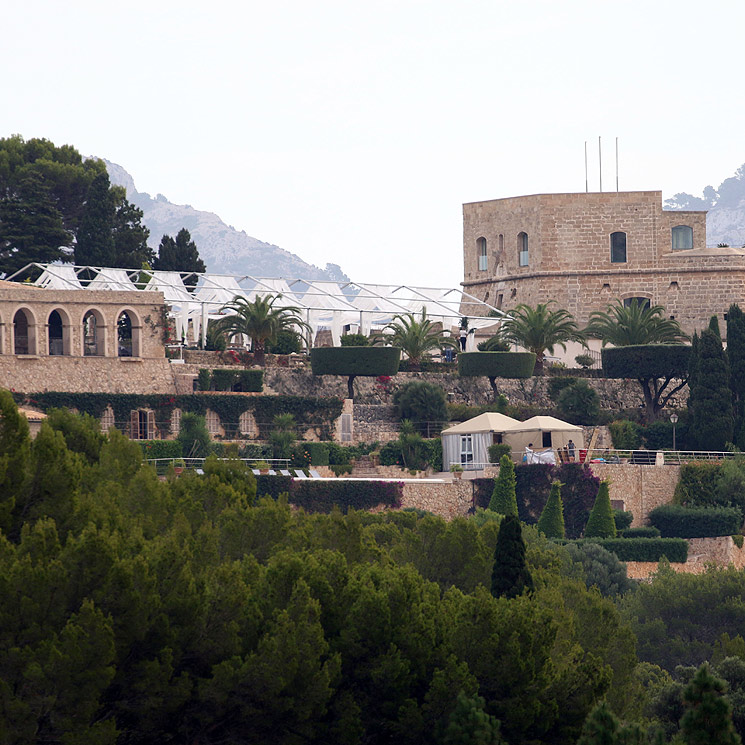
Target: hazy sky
352	132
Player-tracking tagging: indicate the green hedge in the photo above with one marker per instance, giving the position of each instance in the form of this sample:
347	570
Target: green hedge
646	531
623	519
322	496
308	412
698	484
318	453
675	521
161	448
646	361
675	550
370	361
496	364
273	486
246	381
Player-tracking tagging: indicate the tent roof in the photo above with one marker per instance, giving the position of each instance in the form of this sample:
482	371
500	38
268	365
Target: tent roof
491	421
544	423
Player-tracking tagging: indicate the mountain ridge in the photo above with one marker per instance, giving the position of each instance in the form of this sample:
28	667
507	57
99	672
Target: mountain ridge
224	249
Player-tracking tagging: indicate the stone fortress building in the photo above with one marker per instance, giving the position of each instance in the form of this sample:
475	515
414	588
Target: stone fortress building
585	250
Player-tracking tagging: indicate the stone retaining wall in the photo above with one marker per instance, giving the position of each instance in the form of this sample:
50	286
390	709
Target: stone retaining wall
448	499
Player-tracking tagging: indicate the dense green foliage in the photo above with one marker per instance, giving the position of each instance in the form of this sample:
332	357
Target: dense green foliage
354	340
510	576
95	239
179	255
646	549
497	450
370	361
736	358
496	364
676	521
634	324
602	568
224	379
551	521
644	531
423	404
287	342
503	499
138	610
579	404
708	718
655	366
710	400
601	523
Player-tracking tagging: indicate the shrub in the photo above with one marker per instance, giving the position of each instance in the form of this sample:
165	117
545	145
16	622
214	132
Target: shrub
223	379
342	469
622	519
674	521
675	550
602	569
503	498
161	448
287	342
354	340
422	403
497	450
193	436
551	521
579	403
646	361
204	379
250	381
646	531
273	486
601	524
368	361
493	344
698	484
322	496
318	453
557	384
390	454
496	364
585	361
624	434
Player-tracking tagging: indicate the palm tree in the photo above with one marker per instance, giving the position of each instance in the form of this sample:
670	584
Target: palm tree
261	320
540	329
416	335
636	323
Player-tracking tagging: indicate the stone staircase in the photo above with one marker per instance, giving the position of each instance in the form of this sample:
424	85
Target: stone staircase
365	468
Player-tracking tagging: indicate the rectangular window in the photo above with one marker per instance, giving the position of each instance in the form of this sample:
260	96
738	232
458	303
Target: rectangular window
466	450
483	263
618	248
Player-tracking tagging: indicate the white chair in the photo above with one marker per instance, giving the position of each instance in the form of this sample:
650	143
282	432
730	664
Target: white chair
300	474
284	472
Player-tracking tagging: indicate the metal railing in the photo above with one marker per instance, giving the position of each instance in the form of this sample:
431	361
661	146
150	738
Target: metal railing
196	464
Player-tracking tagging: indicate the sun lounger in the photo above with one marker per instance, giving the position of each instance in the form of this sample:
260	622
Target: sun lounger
300	474
284	472
315	474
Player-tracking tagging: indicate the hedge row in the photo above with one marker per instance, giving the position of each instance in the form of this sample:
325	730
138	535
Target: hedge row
675	550
676	521
496	364
646	361
646	531
221	379
161	448
322	496
370	361
308	412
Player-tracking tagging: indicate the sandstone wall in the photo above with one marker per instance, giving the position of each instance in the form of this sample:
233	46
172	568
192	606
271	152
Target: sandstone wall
448	499
721	551
640	488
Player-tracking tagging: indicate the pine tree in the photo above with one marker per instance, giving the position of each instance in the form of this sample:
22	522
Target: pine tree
130	235
736	357
601	523
708	718
510	576
601	727
469	724
180	255
551	521
711	397
95	239
503	499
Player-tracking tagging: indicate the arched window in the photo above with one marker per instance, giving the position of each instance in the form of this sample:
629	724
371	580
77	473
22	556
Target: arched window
522	249
124	345
93	334
682	237
483	258
618	248
500	243
55	333
644	302
24	333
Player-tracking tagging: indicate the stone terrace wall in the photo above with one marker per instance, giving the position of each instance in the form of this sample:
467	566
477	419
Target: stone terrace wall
86	374
721	551
641	488
448	499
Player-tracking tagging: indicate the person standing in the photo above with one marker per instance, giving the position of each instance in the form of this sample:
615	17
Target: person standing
570	447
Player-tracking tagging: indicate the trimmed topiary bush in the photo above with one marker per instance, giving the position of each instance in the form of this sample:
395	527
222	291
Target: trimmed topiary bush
223	379
579	403
646	361
551	521
601	524
204	379
354	361
496	364
503	498
497	450
622	519
675	521
675	550
354	340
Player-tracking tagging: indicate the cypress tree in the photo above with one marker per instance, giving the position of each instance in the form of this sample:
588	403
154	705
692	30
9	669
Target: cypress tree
510	576
708	718
711	397
95	239
714	326
503	499
601	523
551	521
736	357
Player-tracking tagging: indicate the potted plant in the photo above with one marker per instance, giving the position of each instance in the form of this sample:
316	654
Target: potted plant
178	466
263	466
457	470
